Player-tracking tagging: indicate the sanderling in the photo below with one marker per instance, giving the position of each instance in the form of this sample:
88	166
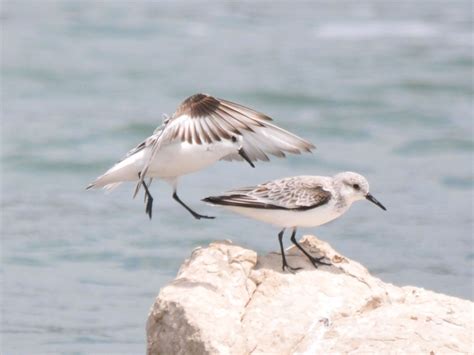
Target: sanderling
299	201
203	130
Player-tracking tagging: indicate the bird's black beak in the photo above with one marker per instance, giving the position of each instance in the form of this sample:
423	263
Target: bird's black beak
374	200
245	156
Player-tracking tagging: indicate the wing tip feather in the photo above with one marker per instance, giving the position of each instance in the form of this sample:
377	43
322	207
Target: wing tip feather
213	200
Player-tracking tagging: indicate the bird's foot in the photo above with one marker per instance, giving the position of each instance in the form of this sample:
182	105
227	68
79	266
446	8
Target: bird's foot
149	206
286	267
199	216
318	261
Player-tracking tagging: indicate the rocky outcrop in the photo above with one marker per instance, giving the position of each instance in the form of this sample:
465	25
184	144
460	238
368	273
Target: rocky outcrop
226	300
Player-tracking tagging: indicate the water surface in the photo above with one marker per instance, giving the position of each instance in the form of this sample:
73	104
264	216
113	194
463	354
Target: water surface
382	88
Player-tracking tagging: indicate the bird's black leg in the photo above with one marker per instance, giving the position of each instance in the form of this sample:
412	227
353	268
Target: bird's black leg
148	199
314	261
283	257
195	214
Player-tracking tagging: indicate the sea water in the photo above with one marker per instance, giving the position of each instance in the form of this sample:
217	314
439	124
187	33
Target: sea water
383	88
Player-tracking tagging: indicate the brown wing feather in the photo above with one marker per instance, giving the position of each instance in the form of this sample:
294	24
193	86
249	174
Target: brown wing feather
223	118
198	105
285	194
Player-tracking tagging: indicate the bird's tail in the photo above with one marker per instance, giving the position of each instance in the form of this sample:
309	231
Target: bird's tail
98	183
120	172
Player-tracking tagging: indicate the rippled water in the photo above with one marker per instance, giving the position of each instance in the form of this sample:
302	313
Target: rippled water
382	88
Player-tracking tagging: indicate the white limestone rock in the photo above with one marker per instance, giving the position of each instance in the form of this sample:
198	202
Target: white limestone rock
226	301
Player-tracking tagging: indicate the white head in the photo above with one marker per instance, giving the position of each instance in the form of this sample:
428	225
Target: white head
354	187
231	145
237	141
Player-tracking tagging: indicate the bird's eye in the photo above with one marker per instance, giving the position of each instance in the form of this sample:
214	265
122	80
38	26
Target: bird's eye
356	187
234	139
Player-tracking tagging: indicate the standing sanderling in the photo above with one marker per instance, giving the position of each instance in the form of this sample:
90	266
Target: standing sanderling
299	201
203	130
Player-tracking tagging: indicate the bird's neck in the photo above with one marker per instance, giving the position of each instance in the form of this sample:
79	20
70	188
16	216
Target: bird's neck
344	196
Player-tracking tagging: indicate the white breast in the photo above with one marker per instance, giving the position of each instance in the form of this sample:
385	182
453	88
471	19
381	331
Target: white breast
182	158
292	218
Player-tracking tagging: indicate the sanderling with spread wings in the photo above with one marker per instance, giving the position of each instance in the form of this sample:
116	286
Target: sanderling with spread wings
299	201
203	130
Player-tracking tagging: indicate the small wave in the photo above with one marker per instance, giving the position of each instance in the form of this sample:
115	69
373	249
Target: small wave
284	98
24	261
435	146
146	262
136	129
37	164
459	182
299	99
343	133
358	31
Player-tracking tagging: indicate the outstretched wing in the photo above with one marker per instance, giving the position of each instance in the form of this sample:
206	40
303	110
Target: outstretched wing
214	118
296	193
202	119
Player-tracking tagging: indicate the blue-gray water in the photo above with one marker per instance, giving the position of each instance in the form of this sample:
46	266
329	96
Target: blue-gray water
382	88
